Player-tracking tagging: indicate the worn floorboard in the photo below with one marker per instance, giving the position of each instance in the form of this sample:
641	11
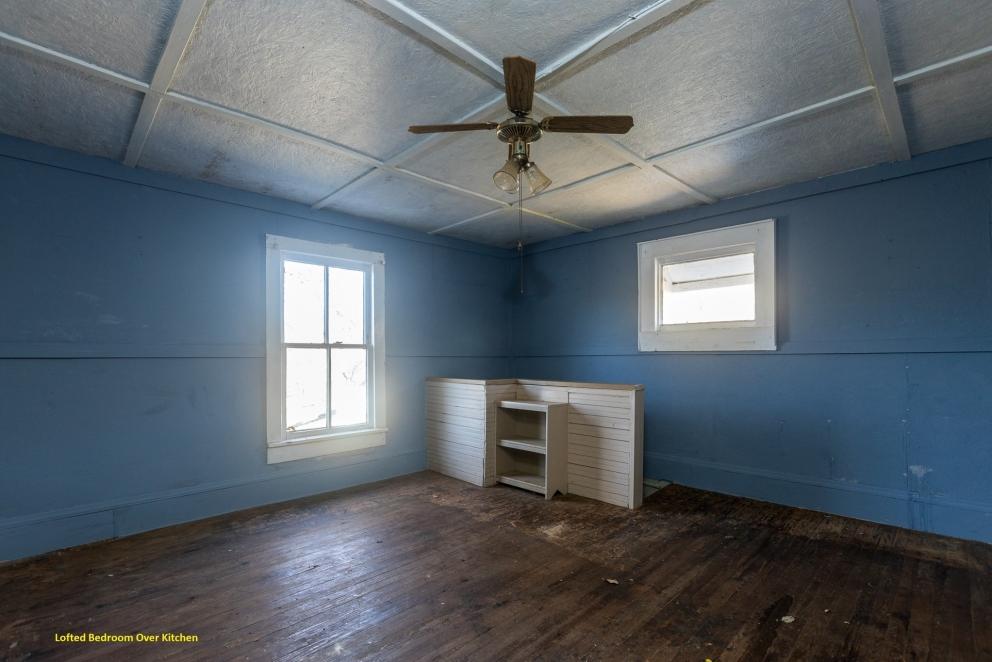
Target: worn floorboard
427	567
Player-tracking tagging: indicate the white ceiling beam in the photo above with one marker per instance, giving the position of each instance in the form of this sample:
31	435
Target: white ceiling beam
491	212
634	23
619	170
763	124
73	62
323	143
555	108
631	28
239	116
442	38
494	72
168	64
868	20
930	69
553	219
466	221
412	151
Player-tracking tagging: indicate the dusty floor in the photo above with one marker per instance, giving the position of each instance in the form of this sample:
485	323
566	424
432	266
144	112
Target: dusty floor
427	567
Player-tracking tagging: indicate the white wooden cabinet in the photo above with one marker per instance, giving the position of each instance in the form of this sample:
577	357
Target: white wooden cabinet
597	454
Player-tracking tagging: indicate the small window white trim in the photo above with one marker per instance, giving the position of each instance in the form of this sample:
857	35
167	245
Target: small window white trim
281	445
757	334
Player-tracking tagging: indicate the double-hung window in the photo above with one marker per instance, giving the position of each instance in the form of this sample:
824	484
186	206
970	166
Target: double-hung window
325	387
712	290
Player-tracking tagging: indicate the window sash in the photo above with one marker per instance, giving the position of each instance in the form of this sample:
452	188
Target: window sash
367	332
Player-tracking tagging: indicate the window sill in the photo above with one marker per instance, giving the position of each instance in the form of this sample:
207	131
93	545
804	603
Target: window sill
328	444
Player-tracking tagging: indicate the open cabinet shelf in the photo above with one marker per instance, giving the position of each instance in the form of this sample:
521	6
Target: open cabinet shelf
532	482
530	446
525	444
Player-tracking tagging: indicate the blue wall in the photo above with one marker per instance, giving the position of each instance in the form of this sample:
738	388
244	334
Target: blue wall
878	404
131	346
132	340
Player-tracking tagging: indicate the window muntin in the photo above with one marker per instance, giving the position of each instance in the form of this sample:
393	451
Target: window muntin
327	383
719	289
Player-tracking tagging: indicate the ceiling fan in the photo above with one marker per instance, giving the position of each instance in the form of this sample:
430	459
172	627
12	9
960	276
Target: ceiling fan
519	131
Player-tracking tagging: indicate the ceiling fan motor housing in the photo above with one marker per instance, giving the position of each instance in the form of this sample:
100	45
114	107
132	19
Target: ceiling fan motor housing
519	128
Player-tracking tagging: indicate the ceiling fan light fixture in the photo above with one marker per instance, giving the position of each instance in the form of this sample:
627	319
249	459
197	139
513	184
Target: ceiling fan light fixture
537	181
506	177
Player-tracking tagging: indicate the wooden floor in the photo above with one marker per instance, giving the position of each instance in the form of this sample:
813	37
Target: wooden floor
427	567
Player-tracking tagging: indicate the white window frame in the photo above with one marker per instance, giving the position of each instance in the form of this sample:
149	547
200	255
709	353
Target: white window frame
757	334
283	445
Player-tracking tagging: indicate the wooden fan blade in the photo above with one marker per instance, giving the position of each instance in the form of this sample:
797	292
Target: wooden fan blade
588	124
443	128
519	74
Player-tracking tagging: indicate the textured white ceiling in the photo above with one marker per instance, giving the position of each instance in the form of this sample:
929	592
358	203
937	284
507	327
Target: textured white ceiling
921	32
503	228
469	160
123	35
626	195
335	69
850	136
524	27
196	144
718	67
949	110
309	100
49	103
409	203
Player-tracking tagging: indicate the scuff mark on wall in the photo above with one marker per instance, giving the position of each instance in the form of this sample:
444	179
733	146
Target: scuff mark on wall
919	470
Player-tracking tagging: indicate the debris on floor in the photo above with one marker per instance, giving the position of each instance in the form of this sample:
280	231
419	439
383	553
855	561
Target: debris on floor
788	619
611	581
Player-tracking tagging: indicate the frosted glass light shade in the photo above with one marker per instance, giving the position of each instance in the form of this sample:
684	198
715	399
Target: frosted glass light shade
536	180
506	177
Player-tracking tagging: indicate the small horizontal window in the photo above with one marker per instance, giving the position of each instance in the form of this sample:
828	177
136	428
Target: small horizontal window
711	290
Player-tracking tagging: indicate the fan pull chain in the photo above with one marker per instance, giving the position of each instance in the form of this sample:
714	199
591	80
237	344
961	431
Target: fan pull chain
520	228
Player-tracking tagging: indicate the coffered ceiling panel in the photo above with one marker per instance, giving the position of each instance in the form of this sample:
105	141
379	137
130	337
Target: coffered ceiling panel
720	66
844	138
192	143
126	36
470	159
51	104
407	202
921	32
540	31
951	109
336	69
628	194
712	86
503	228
